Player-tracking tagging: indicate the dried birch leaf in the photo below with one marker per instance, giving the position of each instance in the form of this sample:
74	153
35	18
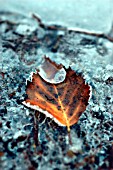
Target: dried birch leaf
64	102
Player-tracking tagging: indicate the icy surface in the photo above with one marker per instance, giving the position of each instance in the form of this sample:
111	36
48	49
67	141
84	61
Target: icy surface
50	73
27	143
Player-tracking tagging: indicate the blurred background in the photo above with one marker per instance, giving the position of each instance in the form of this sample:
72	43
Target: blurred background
92	15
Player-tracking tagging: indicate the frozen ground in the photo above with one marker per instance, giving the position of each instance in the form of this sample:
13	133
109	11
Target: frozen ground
27	144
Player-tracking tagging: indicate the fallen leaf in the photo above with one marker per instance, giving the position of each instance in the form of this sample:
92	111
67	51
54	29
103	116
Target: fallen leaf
64	102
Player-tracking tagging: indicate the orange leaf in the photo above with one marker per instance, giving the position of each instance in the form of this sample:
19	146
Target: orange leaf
65	101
